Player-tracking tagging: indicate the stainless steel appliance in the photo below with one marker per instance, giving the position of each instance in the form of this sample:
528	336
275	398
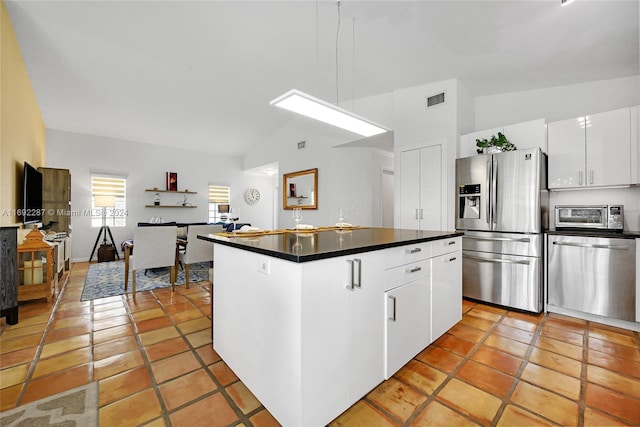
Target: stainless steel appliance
610	217
593	275
502	205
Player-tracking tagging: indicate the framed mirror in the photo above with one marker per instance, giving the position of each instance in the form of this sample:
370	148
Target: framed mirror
300	189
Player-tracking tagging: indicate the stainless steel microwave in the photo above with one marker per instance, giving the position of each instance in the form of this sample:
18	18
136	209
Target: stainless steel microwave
608	217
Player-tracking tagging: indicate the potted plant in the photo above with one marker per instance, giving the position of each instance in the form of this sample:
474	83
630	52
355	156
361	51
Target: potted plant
494	145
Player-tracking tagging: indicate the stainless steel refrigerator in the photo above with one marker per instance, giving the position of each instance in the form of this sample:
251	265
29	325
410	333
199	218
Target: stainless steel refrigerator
502	206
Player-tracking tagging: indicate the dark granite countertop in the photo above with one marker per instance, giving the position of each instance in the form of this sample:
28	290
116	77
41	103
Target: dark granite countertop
609	234
310	246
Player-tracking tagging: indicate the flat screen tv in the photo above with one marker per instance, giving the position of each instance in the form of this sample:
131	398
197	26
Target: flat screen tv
31	195
223	208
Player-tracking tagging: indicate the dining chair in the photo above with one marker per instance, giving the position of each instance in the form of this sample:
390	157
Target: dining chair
154	247
197	250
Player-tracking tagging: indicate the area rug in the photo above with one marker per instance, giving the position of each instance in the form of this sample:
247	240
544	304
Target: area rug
76	407
106	279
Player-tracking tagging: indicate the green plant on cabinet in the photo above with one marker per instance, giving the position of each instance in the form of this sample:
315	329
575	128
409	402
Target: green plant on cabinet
494	144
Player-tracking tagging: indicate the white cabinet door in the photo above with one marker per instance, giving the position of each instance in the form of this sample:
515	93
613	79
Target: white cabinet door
566	154
407	323
635	145
609	148
431	188
529	134
410	189
446	292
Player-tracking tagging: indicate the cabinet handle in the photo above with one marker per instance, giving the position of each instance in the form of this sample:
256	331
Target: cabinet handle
414	251
414	269
591	176
350	285
393	299
580	178
421	217
452	242
452	259
359	282
417	214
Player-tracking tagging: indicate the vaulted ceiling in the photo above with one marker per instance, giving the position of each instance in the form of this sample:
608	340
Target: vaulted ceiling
200	74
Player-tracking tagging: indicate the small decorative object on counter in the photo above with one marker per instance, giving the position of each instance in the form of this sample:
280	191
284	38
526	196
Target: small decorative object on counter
494	145
156	199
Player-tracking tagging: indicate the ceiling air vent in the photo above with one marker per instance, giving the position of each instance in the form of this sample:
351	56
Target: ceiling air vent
434	100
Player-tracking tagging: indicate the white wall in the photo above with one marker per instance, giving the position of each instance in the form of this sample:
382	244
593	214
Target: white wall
144	166
556	103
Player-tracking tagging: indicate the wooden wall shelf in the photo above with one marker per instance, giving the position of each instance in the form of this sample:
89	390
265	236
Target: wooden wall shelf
169	206
169	191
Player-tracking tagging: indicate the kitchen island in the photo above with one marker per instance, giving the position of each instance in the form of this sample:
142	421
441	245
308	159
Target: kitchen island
312	321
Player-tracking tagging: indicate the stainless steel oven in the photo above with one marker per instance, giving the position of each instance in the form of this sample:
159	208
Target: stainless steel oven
608	217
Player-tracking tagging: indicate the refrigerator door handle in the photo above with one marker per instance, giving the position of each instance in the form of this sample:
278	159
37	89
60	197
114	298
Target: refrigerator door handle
494	191
488	187
496	260
588	245
500	239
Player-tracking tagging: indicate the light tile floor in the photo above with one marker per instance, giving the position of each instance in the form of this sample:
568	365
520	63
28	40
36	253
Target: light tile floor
154	364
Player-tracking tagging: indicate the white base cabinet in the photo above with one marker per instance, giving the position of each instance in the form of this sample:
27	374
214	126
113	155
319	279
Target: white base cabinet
446	295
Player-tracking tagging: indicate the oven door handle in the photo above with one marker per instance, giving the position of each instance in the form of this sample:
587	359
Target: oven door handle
588	245
496	260
500	239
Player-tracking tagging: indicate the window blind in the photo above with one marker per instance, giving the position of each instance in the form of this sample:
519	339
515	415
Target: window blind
218	194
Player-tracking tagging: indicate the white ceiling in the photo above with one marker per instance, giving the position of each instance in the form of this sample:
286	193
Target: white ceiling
200	74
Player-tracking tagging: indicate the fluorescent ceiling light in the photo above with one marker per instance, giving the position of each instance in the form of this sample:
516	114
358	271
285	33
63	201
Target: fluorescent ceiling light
566	2
307	105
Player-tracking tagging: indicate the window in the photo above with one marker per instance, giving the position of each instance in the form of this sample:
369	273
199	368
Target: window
108	198
218	202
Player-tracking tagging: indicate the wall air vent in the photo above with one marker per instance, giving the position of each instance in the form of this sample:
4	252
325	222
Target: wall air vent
434	100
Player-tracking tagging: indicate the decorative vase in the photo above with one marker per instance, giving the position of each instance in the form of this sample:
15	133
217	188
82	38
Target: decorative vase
492	150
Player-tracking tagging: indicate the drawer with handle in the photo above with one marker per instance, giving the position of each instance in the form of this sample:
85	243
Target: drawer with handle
397	276
401	255
445	246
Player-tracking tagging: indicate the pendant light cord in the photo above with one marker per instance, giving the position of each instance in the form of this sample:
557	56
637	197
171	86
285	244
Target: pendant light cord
337	34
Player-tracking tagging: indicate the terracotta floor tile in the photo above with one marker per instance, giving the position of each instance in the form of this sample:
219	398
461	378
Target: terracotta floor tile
436	414
514	416
61	362
223	373
397	398
200	338
18	357
265	419
113	347
485	378
613	363
72	321
527	317
116	364
154	313
65	345
195	325
108	300
114	333
470	400
557	362
593	418
208	354
439	358
493	309
108	306
467	333
56	383
552	380
63	313
506	345
157	335
186	388
9	397
179	307
173	300
562	335
484	314
19	343
13	375
174	366
497	360
560	347
614	381
151	324
122	385
613	403
612	336
212	411
30	321
545	403
566	322
478	323
132	410
108	314
421	376
455	344
520	324
242	397
158	422
183	316
614	349
166	348
110	323
14	332
596	325
514	334
60	334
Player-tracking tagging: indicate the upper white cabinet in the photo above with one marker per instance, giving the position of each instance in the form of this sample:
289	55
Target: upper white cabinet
523	135
590	151
635	145
421	200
